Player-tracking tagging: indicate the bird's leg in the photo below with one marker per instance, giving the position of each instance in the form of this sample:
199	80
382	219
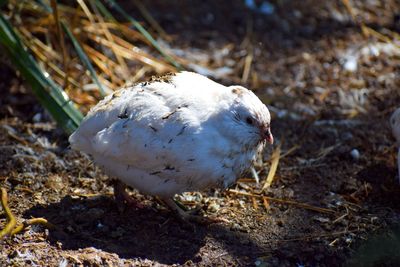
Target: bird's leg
186	216
174	207
123	198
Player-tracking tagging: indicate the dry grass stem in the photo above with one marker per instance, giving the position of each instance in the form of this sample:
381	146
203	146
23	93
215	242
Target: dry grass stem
54	67
146	14
289	202
111	47
61	40
7	230
103	26
266	204
316	236
353	15
246	180
131	53
247	66
11	227
35	221
290	151
255	204
274	166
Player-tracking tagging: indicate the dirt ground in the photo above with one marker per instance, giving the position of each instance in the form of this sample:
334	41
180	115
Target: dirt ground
331	91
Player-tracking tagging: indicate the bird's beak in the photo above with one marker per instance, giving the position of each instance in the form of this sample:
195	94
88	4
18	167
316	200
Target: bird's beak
267	135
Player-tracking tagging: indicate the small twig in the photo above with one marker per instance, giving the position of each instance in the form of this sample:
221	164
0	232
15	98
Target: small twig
333	242
146	14
10	217
379	36
246	180
255	205
353	15
291	150
266	204
11	229
128	51
274	166
103	25
340	218
248	43
33	221
289	202
366	31
255	175
12	133
92	195
24	189
247	66
302	238
61	40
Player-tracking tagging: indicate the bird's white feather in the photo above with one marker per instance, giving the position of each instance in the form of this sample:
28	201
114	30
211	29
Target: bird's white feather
173	134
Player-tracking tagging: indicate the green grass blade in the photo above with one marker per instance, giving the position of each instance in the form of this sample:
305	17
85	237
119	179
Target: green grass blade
144	32
134	22
84	58
44	5
51	96
78	48
104	11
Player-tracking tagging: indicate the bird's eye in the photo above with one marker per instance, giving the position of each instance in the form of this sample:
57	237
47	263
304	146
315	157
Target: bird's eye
249	120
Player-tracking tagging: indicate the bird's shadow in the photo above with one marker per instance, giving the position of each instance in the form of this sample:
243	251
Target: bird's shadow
138	233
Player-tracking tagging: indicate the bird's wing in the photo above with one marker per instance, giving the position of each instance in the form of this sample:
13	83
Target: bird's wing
155	127
149	101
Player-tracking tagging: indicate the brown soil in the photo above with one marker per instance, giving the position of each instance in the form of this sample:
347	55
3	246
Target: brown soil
319	108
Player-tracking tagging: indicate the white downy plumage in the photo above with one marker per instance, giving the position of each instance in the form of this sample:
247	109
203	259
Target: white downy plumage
395	124
177	133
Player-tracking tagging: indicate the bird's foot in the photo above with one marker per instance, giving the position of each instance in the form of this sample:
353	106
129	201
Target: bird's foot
188	217
123	199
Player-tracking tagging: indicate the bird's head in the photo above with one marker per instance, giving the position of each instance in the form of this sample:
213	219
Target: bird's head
249	118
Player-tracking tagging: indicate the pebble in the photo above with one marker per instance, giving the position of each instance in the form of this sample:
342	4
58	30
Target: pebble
37	117
214	207
355	154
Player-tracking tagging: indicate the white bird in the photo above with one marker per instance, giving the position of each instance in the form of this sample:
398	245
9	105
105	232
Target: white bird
177	133
395	124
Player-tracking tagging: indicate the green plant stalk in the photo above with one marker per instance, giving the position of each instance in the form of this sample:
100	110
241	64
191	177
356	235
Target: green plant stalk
44	5
82	55
49	94
135	23
144	32
84	58
104	11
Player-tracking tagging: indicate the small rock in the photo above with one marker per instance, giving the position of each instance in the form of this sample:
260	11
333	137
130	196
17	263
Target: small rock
321	219
37	117
214	207
350	64
235	227
55	182
355	154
